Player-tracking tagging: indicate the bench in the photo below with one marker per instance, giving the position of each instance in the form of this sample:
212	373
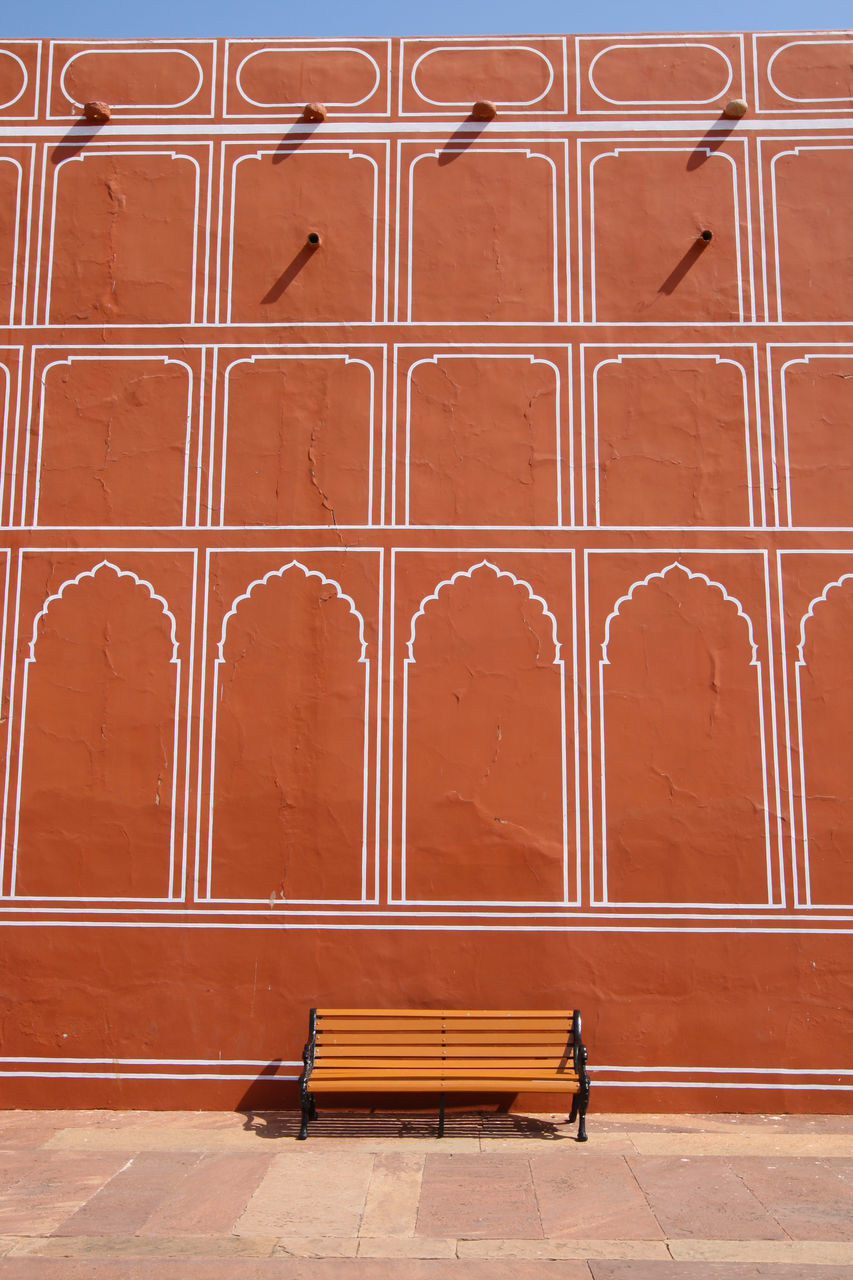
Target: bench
444	1051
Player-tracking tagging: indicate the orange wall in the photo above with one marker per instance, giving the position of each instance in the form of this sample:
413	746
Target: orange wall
456	613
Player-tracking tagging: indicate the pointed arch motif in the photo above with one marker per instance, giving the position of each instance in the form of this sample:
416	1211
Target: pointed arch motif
824	696
289	746
684	788
97	776
484	780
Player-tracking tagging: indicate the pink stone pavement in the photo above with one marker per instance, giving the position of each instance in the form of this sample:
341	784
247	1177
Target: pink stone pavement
217	1196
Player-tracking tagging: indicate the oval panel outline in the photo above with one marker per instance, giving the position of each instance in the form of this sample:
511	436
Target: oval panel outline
660	102
135	106
268	106
10	102
483	48
792	44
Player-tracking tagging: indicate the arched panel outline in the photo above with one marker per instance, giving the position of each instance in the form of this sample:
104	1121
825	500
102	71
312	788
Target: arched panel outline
841	99
804	898
107	357
806	359
204	894
174	889
10	102
16	164
773	898
753	491
315	151
436	359
299	358
410	661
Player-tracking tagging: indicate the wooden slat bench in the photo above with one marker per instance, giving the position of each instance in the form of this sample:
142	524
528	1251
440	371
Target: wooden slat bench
445	1051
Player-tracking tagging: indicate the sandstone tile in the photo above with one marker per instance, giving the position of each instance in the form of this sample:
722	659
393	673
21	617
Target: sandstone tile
317	1247
283	1268
309	1193
211	1197
391	1208
420	1247
702	1198
737	1142
563	1249
479	1197
134	1137
615	1144
619	1270
55	1188
784	1252
146	1247
122	1206
808	1198
594	1199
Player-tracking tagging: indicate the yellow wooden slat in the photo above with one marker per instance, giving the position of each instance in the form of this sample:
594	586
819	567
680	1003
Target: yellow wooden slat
474	1084
446	1013
517	1066
325	1051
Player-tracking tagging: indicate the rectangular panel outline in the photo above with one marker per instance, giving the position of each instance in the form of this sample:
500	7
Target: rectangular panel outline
348	352
492	351
744	254
296	44
146	44
182	741
253	149
20	263
771	776
760	67
662	40
561	237
396	858
7	48
676	350
476	43
206	762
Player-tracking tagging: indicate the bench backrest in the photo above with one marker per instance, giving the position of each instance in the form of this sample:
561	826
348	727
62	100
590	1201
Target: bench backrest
447	1034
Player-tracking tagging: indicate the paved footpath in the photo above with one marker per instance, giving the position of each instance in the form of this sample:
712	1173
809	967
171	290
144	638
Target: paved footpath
218	1196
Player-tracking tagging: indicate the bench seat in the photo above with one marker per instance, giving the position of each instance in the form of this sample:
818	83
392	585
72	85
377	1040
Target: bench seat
445	1051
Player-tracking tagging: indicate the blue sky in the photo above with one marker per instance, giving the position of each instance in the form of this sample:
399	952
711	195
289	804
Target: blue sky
109	18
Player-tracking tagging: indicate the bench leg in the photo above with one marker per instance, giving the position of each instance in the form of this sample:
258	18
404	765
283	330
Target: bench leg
307	1108
579	1107
441	1116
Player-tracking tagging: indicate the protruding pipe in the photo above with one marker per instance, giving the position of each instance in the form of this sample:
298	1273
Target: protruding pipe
313	240
735	109
315	112
484	110
96	112
706	235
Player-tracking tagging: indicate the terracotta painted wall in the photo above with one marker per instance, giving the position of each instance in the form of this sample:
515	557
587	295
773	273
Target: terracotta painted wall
457	613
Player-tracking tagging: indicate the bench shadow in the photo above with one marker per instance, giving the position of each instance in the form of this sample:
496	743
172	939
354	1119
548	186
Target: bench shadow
398	1124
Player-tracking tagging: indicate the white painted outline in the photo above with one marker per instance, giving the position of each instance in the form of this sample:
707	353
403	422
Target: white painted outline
204	894
620	103
10	102
196	235
512	103
826	144
474	149
602	898
687	38
13	264
409	661
754	492
130	53
55	78
300	358
837	584
806	358
302	45
109	356
463	44
809	44
104	564
9	421
633	149
331	102
485	355
258	154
